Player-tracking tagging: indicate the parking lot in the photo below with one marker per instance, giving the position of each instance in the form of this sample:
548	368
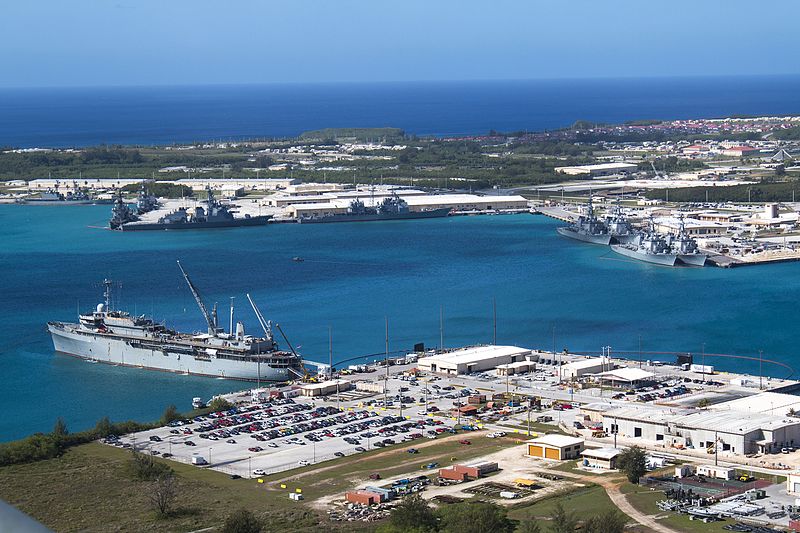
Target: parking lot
281	434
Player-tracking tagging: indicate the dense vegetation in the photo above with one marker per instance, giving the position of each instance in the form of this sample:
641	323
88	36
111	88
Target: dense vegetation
41	446
361	134
163	189
760	192
789	134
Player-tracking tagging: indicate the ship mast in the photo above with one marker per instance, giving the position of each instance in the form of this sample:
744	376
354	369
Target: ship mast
212	328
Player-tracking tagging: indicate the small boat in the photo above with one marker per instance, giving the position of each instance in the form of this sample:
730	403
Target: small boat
298	259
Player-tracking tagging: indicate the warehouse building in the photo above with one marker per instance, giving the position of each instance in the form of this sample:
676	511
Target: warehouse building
735	432
693	227
582	367
477	359
248	184
793	483
555	447
601	169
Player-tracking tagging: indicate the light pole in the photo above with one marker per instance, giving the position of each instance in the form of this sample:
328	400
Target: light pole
209	455
703	359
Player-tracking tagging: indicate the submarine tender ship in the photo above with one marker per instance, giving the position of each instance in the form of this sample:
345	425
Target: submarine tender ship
112	336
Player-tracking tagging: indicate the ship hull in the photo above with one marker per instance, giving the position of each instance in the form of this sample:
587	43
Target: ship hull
125	352
433	213
603	239
658	259
235	223
631	238
692	259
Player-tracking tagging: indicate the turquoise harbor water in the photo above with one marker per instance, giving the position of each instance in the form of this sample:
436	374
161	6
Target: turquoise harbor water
52	261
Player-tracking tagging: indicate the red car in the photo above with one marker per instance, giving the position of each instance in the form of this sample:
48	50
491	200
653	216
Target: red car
464	442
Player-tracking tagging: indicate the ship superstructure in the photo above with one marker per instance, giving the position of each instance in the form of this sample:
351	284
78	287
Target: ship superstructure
214	215
114	336
588	228
391	208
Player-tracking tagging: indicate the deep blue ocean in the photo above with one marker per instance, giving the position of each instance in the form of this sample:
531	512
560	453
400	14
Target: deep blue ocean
354	275
164	115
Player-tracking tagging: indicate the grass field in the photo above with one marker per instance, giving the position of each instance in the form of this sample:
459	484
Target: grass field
343	474
588	501
89	489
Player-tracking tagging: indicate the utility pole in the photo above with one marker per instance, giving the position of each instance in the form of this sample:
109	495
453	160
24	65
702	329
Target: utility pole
616	430
760	366
716	449
703	359
554	355
441	327
494	321
386	379
640	350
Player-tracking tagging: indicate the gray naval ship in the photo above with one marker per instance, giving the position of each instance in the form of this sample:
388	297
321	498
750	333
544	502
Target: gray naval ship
113	336
589	228
214	215
666	250
391	208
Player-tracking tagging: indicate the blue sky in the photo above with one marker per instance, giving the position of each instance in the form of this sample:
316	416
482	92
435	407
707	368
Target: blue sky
177	42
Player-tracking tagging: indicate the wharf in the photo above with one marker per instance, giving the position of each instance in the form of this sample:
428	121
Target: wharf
559	213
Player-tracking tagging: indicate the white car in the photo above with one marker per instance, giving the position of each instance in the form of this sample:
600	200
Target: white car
259	472
304	463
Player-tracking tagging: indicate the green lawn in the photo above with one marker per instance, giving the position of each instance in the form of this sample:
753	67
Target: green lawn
88	489
585	500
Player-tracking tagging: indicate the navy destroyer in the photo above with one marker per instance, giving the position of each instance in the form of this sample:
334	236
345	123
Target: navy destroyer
145	202
686	247
391	208
668	250
113	336
214	215
588	228
121	213
74	196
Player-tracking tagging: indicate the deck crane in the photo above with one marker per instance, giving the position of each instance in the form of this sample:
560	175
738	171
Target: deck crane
212	325
267	327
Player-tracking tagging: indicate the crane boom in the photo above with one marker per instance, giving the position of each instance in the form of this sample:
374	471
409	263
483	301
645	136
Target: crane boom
212	327
264	324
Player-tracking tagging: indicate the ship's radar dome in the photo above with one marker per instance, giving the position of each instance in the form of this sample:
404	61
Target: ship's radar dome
101	308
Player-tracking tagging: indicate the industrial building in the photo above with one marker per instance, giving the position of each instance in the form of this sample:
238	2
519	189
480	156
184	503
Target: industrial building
556	447
735	432
600	169
520	367
793	482
477	359
602	458
772	403
248	184
582	367
693	227
325	387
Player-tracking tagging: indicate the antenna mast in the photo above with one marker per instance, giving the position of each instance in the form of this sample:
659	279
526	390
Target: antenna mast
212	328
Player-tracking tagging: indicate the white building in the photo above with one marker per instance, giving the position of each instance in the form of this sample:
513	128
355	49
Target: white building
600	169
735	432
593	365
475	359
248	184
